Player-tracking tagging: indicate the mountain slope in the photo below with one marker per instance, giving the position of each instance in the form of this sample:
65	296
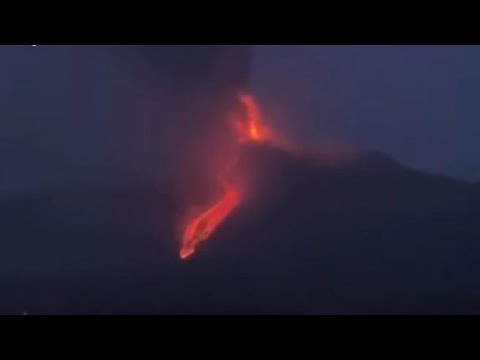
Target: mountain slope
365	235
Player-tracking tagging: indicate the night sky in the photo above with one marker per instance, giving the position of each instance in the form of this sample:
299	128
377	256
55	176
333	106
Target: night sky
59	105
419	104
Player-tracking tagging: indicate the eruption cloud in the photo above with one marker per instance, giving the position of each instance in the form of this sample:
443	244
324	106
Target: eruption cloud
248	126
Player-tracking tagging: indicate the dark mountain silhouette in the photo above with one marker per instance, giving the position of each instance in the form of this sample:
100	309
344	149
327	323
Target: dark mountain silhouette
361	236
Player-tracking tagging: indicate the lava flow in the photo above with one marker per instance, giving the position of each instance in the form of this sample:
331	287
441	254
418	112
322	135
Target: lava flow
247	126
202	226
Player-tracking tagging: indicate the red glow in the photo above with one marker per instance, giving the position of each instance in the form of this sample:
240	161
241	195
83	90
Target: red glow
248	126
202	226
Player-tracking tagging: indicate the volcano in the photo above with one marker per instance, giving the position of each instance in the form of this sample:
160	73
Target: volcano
238	218
362	236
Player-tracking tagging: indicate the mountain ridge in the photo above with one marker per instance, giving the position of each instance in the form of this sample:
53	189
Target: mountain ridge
361	236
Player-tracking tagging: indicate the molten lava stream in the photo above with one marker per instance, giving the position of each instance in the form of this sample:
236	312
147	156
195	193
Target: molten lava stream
248	127
202	226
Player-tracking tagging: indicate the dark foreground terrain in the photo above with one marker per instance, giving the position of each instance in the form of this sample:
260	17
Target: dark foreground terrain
365	237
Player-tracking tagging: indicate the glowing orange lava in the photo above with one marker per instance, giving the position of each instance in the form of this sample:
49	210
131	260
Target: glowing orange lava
248	126
201	227
251	127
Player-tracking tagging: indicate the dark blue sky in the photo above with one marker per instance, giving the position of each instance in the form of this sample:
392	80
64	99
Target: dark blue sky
98	113
81	114
420	104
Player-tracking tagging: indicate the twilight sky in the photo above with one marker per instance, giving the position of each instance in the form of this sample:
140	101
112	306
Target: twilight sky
420	104
76	113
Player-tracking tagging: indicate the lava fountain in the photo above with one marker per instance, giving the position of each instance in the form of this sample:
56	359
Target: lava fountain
248	126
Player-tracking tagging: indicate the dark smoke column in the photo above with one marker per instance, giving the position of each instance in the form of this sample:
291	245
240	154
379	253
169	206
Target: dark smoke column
206	80
217	66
